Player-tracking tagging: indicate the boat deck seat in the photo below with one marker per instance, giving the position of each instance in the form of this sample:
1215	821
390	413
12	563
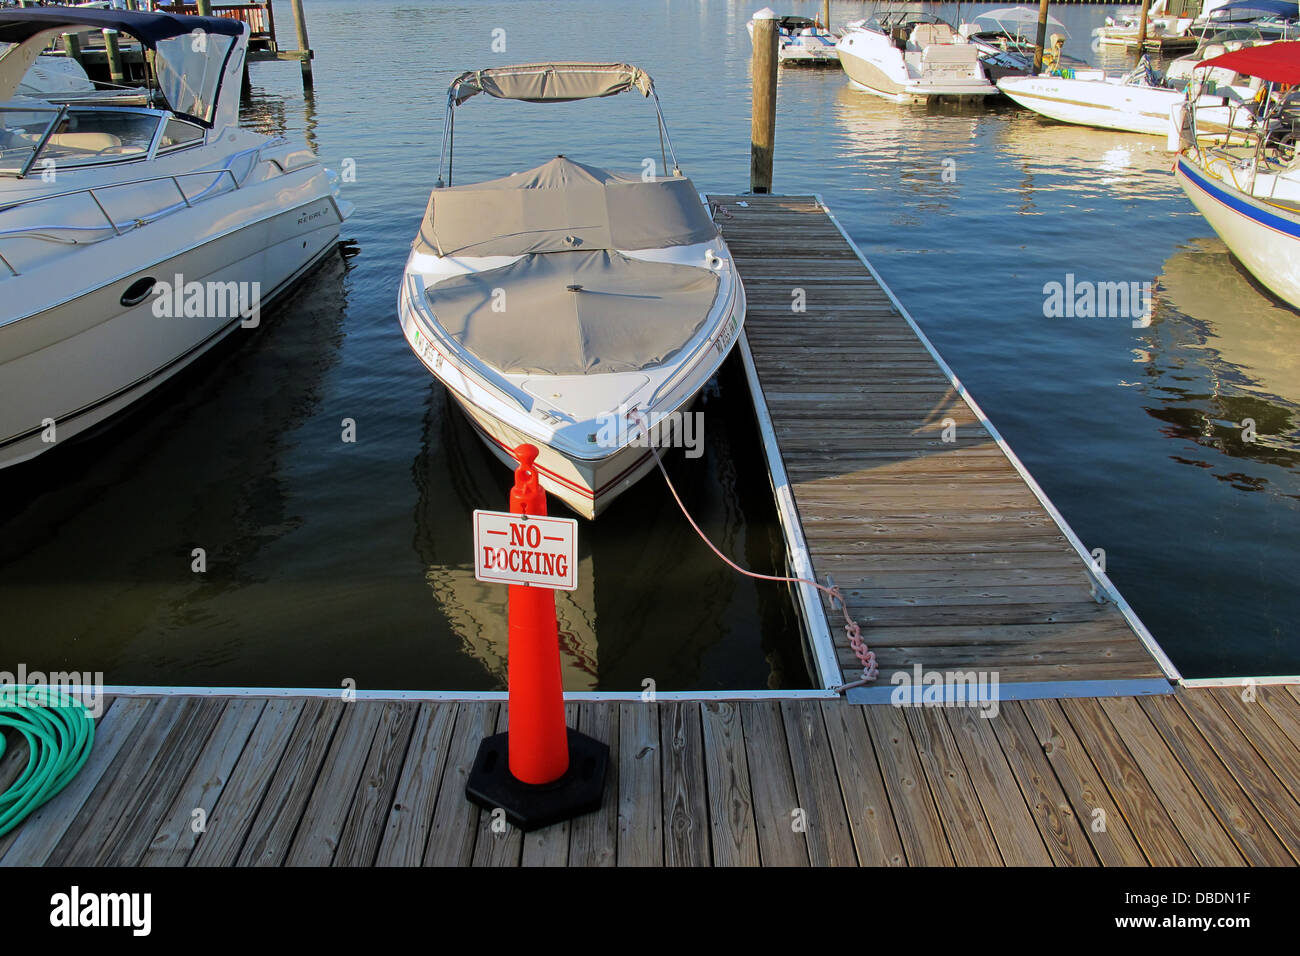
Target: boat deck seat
88	142
929	34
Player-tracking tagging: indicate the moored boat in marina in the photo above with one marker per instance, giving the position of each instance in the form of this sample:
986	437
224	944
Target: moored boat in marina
567	306
1249	191
912	58
1134	102
801	41
98	310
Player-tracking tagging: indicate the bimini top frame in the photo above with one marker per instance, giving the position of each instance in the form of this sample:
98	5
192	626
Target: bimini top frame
548	83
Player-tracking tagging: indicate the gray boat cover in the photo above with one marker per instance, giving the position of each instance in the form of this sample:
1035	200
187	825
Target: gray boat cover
551	82
563	206
575	313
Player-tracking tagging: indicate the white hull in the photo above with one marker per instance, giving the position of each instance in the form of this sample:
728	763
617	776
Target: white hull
1115	106
943	71
1264	236
87	358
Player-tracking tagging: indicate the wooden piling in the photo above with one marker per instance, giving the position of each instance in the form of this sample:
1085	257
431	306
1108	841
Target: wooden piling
1041	40
204	7
72	46
304	47
826	15
114	55
1142	27
763	121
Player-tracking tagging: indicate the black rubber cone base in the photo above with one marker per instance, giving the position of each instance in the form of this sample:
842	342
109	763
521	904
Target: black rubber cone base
533	806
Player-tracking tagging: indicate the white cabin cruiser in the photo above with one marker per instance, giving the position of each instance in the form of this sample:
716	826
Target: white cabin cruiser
912	58
566	306
1007	39
1249	191
1277	18
98	310
801	42
1136	102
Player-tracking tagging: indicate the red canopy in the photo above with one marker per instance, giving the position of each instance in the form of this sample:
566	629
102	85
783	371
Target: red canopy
1275	62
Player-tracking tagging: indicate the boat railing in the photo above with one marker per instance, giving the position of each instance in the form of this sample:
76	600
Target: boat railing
117	228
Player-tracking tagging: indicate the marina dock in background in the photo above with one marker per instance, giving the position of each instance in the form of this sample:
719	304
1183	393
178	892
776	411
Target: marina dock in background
1088	751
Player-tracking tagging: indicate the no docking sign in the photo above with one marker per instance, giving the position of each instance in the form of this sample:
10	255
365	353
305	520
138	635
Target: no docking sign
522	549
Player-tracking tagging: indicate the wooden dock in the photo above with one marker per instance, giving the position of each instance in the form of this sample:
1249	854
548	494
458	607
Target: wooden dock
1092	753
947	553
1198	777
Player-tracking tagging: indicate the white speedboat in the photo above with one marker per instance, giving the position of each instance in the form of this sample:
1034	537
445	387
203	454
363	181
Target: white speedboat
61	79
912	58
1249	192
801	42
132	240
1135	102
566	306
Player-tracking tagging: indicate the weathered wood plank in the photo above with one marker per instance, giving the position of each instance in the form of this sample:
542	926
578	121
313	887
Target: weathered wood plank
418	787
919	825
593	837
176	836
240	799
1004	805
827	832
731	801
321	828
1247	828
781	840
862	788
454	829
549	846
363	828
685	798
1032	771
1143	810
640	786
295	777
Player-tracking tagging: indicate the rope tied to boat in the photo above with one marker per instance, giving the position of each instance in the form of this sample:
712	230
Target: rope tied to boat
864	654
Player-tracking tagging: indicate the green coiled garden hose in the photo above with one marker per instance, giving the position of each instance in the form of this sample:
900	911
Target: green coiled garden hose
59	731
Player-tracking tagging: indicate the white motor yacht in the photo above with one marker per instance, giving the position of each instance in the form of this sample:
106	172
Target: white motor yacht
133	240
912	58
566	306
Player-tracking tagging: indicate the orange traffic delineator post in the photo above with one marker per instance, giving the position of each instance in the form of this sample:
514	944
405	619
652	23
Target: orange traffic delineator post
540	771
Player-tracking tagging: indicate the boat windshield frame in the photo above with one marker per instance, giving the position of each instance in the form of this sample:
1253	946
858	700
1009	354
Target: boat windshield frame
63	112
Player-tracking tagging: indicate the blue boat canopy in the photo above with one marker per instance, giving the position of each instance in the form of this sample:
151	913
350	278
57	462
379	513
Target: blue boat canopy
17	25
1279	8
191	53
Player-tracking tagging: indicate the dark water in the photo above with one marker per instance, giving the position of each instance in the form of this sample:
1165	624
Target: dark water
329	561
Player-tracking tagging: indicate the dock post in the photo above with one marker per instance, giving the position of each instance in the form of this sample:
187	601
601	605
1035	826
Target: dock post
1142	28
204	7
72	46
304	47
114	54
826	15
1041	40
762	136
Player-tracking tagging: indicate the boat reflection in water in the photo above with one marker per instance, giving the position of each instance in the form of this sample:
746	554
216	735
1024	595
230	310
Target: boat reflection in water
1217	356
97	537
626	622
